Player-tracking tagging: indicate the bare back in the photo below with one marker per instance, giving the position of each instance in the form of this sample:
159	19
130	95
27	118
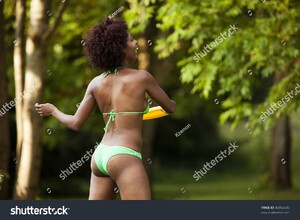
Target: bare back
123	91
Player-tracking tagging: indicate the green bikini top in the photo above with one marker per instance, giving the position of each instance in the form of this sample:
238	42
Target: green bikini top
112	114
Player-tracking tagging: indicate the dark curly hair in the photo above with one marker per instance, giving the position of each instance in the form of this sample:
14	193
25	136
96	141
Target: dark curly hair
105	43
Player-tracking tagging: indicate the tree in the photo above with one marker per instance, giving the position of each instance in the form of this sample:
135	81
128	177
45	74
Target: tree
19	70
235	50
27	179
4	115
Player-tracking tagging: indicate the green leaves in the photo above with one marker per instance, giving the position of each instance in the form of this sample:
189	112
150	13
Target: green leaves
138	17
266	43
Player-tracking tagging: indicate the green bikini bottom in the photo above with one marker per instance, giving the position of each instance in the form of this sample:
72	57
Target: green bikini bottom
103	153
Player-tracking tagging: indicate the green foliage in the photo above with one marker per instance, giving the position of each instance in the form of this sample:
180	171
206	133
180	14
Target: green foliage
266	43
139	15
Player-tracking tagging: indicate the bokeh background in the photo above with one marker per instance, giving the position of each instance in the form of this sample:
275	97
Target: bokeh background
220	97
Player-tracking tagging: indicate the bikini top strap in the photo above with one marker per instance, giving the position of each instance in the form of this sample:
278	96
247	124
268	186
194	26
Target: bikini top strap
105	74
112	117
111	70
112	114
147	109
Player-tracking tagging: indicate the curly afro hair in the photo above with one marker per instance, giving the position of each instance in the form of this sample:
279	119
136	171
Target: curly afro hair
105	43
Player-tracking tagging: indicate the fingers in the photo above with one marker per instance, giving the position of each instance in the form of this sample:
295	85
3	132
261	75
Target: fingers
39	111
44	109
38	108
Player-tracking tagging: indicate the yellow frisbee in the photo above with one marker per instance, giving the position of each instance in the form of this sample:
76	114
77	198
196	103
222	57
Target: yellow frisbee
154	112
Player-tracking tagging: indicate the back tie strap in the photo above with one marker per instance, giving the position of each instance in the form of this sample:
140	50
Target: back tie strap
112	117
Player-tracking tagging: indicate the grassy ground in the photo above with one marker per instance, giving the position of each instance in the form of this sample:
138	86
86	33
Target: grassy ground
180	185
171	184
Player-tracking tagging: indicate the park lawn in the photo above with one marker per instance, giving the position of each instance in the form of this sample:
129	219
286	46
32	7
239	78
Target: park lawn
175	184
220	187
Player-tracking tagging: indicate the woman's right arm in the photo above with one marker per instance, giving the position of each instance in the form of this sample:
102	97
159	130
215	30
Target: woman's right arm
71	121
158	95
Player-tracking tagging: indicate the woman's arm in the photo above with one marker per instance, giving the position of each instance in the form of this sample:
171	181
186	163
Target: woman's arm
75	121
158	95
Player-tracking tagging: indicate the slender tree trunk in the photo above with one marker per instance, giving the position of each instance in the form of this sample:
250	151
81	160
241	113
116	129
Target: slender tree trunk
27	180
161	71
4	115
280	174
148	129
28	172
19	69
281	153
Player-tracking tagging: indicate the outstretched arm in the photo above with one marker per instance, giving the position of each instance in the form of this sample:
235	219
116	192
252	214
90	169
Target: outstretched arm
158	95
75	121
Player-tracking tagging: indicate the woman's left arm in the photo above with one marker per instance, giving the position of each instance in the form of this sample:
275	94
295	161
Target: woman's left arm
75	121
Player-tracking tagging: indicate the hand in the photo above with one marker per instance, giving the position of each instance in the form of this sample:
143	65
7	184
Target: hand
44	109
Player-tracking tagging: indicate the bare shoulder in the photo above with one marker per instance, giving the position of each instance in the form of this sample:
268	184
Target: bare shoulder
96	80
93	83
142	75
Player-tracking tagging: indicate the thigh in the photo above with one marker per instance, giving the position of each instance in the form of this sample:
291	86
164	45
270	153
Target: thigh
101	186
130	175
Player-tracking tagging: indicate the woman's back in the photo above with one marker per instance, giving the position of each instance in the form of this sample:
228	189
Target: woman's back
123	91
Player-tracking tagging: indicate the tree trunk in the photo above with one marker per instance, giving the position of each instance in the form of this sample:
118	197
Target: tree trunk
4	115
281	151
27	180
28	172
19	69
144	61
281	148
161	71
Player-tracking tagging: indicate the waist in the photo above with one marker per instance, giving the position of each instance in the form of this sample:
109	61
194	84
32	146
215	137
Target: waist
131	139
105	146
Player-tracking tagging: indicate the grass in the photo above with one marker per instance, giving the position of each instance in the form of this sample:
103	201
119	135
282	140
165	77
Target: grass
175	184
239	186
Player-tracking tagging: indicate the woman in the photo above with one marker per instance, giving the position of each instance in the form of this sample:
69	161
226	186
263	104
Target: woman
120	94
